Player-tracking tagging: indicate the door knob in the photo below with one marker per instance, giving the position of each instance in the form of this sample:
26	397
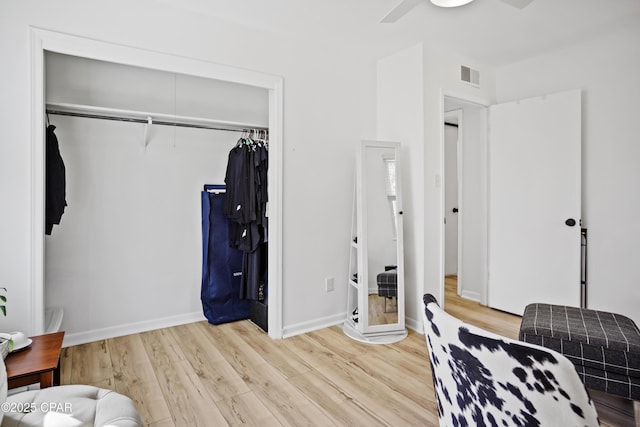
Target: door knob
570	222
455	210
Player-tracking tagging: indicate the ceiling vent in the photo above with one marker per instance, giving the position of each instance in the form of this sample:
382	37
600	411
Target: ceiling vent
469	75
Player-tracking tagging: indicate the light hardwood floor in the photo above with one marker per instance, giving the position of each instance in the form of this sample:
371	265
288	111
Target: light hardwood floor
382	310
204	375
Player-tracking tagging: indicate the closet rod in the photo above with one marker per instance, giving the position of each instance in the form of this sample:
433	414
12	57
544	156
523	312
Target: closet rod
103	113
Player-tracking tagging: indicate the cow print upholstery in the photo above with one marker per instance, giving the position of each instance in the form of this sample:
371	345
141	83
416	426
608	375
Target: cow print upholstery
483	379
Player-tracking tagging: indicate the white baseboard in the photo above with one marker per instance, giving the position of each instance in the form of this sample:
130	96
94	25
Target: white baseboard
314	325
131	328
473	296
167	322
414	324
338	319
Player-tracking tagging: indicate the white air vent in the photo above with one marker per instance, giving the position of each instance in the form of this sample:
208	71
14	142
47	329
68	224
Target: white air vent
469	75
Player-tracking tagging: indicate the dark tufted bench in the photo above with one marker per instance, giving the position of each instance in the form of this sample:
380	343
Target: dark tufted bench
604	347
388	284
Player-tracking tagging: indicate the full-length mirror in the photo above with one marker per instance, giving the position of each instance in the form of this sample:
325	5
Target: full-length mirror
376	291
382	234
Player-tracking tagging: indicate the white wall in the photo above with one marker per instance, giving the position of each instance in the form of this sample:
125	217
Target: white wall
400	118
474	202
442	77
605	70
328	103
411	89
472	217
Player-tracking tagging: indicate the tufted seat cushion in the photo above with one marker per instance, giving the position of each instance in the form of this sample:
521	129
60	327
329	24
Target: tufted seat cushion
66	406
69	406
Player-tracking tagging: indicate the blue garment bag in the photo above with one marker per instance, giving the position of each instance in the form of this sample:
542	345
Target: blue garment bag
221	264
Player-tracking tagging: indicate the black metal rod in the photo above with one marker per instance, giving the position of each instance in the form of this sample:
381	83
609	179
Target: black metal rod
143	121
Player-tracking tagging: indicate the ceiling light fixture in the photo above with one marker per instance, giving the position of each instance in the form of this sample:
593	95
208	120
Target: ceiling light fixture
450	3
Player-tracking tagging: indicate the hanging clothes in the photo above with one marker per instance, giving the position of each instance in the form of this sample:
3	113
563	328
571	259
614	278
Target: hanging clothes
245	206
221	264
55	186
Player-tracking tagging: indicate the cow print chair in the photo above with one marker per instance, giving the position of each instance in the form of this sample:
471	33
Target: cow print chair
483	379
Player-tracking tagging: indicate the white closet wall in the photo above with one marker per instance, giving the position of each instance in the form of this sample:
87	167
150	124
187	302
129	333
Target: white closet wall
127	255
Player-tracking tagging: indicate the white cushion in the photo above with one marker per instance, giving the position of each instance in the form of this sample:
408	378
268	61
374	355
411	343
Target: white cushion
70	406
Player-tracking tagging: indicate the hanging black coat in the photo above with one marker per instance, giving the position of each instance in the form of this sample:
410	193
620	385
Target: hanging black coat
55	187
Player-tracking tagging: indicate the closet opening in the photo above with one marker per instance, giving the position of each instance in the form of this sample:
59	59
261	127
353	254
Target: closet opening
127	255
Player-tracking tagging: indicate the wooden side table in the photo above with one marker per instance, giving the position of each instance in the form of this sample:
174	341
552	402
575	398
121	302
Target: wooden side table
39	363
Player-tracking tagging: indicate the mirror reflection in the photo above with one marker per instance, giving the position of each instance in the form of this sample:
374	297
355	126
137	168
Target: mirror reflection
382	234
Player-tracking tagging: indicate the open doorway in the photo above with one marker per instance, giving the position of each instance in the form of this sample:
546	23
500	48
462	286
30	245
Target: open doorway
464	148
452	201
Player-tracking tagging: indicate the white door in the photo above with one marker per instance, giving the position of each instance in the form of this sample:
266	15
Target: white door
534	198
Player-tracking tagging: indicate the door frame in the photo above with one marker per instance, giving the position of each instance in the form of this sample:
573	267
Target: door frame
45	40
482	103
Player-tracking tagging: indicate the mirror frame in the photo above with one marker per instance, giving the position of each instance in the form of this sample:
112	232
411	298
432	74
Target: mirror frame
363	325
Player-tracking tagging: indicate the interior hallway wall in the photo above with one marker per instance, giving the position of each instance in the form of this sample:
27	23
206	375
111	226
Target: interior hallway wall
400	118
442	77
411	89
474	202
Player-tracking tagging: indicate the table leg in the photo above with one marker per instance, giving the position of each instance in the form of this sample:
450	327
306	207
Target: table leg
56	374
46	379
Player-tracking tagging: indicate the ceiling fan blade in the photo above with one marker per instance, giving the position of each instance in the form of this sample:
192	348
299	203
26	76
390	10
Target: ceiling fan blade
520	4
400	10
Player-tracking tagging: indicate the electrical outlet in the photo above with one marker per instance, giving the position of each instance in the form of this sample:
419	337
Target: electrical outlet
328	284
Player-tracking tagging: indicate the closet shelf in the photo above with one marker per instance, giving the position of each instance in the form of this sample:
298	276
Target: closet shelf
90	111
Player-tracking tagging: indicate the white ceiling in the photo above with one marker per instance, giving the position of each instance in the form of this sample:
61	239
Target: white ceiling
488	31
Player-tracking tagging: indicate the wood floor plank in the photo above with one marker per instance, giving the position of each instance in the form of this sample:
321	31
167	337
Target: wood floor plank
134	377
308	349
92	365
66	366
341	408
247	409
234	349
282	398
388	404
186	397
407	378
166	422
334	341
275	352
215	373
